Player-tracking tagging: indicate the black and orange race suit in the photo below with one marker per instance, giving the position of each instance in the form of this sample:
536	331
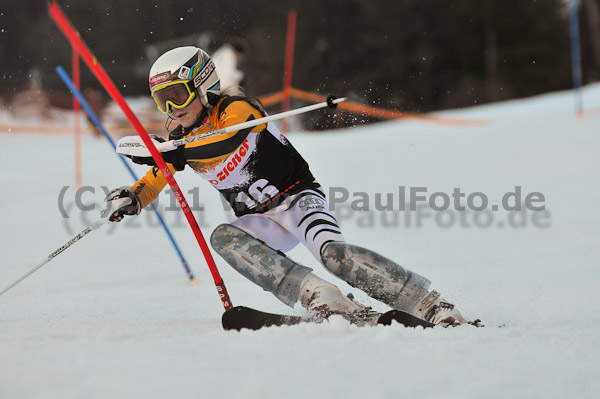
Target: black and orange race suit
255	169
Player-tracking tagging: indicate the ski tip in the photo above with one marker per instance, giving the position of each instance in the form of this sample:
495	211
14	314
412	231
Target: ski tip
406	319
240	317
236	318
477	323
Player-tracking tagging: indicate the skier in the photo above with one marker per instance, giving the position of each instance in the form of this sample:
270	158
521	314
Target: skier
273	193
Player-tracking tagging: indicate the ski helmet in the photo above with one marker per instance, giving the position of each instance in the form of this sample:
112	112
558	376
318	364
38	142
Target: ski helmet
181	74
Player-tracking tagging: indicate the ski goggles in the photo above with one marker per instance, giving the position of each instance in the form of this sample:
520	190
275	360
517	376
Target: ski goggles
173	95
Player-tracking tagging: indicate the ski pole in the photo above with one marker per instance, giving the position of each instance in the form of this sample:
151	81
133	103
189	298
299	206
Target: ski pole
91	61
133	146
72	241
94	226
86	106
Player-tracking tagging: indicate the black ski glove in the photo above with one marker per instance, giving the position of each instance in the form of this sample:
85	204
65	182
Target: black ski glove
130	208
175	157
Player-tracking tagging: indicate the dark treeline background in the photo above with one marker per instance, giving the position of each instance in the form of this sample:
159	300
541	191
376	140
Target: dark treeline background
410	55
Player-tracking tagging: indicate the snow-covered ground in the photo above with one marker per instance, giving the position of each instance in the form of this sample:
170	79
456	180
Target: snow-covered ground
113	316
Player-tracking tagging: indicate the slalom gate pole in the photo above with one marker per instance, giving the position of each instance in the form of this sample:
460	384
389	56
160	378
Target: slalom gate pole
88	109
288	68
74	39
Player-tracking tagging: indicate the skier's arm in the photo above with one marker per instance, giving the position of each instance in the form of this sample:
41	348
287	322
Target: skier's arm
122	202
174	157
142	193
148	187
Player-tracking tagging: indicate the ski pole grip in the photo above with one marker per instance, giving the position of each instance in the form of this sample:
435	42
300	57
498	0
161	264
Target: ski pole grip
330	102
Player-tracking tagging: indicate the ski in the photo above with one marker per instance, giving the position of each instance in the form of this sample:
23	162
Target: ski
406	319
240	317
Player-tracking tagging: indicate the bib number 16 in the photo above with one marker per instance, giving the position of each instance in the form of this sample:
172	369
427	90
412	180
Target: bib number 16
258	193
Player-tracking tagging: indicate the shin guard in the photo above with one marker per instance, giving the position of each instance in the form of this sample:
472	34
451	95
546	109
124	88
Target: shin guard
380	277
269	269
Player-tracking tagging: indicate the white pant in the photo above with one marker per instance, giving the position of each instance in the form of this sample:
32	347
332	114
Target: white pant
302	218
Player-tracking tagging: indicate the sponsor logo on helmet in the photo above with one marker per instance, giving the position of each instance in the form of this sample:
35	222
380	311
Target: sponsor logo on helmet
236	160
184	72
204	74
160	78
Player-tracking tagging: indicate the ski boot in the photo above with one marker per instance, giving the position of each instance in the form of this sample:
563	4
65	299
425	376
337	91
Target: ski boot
324	299
438	311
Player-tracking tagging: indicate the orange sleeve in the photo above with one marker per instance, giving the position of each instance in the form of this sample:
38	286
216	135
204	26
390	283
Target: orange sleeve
149	186
238	112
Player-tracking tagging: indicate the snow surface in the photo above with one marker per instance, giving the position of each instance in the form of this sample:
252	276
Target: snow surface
113	316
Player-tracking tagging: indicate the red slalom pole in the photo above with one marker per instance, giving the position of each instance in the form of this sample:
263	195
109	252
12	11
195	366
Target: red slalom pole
84	52
288	67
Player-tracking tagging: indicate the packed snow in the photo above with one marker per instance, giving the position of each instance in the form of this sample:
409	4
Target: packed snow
114	316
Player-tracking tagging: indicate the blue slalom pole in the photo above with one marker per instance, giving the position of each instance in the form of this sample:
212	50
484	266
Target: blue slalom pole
576	56
67	80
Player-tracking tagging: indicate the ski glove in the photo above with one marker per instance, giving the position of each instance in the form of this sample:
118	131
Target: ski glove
118	199
175	157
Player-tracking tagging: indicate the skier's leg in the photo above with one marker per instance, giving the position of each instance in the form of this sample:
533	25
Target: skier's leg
268	231
245	250
306	215
380	277
387	281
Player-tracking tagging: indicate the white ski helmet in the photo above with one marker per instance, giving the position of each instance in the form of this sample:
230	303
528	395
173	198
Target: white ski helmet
181	74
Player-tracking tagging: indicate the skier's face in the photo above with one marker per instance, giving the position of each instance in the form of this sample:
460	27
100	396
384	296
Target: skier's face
187	116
